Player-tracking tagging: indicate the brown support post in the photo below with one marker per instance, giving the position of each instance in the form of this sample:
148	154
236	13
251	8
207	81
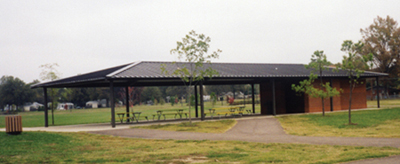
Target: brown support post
331	98
201	101
112	104
127	103
252	97
46	110
273	98
377	92
195	102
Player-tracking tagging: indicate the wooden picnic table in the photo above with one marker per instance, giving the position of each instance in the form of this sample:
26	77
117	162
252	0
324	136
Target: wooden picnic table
168	112
135	116
231	110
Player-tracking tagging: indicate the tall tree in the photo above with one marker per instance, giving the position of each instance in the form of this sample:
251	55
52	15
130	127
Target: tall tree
49	72
150	93
134	95
193	49
382	40
14	91
349	64
80	96
317	64
37	93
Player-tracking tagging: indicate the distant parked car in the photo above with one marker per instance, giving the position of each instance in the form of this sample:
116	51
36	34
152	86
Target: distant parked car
78	107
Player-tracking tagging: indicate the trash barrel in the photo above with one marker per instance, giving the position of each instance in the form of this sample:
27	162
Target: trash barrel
13	124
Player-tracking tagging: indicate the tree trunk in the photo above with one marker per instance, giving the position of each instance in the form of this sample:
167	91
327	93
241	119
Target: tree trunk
351	92
323	106
188	91
320	85
52	106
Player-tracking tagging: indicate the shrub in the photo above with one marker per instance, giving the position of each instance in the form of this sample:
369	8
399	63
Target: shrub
162	101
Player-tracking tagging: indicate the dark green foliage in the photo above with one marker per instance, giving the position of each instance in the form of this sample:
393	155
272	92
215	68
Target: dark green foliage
151	92
14	91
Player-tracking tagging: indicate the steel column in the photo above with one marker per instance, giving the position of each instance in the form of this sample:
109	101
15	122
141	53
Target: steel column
201	101
127	103
331	98
377	92
252	97
273	98
46	110
195	102
112	104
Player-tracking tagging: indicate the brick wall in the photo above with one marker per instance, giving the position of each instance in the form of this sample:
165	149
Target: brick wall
341	102
286	98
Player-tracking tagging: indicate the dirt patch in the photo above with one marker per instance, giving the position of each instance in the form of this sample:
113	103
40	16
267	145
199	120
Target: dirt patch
190	159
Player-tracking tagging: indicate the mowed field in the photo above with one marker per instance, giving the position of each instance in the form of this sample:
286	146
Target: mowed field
48	147
103	115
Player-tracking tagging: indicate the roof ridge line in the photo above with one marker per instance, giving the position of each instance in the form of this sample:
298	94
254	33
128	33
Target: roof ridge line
216	62
123	69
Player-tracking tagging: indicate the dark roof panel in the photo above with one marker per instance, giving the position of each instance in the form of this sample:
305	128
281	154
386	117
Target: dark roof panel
92	76
151	72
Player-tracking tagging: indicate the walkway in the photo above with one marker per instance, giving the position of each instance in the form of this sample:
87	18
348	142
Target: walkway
263	130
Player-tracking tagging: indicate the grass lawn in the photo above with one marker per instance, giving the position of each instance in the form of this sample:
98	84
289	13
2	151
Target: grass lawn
370	123
203	127
45	147
384	103
101	115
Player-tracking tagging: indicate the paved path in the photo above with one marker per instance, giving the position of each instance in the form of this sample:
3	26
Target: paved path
264	130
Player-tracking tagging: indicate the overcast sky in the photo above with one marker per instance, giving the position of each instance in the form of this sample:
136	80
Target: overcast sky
84	36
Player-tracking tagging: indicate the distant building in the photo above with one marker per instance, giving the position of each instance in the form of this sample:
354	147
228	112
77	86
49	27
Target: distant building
92	104
32	106
65	106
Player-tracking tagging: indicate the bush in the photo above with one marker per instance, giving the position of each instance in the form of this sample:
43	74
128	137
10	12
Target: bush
172	100
41	108
162	101
155	102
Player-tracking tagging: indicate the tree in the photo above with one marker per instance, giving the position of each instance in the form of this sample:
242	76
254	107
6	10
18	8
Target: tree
317	64
149	93
213	98
49	72
37	93
14	91
134	95
349	62
80	96
175	90
382	40
194	51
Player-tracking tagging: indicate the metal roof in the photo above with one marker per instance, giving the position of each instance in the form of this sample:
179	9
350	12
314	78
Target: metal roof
148	73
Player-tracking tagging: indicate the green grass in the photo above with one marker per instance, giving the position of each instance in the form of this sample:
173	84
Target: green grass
44	147
101	115
202	127
384	103
369	123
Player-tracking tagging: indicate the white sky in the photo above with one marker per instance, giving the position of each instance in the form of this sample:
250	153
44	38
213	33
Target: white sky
84	36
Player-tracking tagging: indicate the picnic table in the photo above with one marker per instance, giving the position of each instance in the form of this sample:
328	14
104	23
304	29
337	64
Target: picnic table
228	110
175	112
135	116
